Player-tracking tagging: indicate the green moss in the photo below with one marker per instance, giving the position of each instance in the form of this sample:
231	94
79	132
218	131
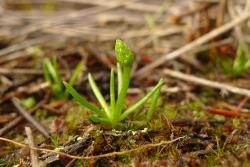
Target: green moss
199	115
245	164
219	118
3	163
55	140
78	163
156	124
170	110
75	116
236	123
192	109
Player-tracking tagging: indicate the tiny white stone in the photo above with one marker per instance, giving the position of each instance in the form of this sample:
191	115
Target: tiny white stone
79	138
144	130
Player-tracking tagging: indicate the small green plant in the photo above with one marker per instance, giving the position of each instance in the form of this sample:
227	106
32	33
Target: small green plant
237	66
113	114
51	75
241	63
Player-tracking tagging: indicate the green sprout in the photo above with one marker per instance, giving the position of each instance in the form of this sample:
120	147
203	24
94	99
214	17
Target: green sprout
242	62
235	67
113	113
52	76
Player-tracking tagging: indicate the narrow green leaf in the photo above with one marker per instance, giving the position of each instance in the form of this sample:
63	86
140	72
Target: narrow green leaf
55	71
142	101
247	65
52	71
112	91
46	71
97	119
153	104
82	100
76	73
98	95
240	60
123	92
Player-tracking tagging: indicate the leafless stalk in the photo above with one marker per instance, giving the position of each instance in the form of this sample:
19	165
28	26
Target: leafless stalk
5	71
33	153
220	16
206	82
24	45
17	120
29	118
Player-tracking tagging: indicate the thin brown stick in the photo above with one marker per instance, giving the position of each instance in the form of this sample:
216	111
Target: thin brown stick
132	5
17	71
29	118
146	146
205	38
213	45
197	9
17	120
241	104
23	45
66	18
206	82
33	153
221	13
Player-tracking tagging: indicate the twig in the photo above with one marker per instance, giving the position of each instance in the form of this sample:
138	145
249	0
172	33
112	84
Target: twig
70	147
206	82
198	9
228	113
38	87
23	89
247	7
5	71
15	84
17	120
17	71
241	104
126	4
24	45
29	118
221	13
55	21
205	38
33	153
146	146
213	45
